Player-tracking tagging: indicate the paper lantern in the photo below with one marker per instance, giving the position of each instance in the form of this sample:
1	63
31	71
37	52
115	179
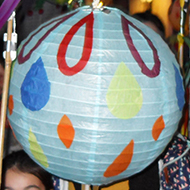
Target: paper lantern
95	95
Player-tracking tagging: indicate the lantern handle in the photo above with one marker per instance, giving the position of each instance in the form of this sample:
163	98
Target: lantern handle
8	61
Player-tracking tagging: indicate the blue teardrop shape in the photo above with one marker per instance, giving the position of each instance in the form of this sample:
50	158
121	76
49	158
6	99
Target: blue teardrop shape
35	89
179	89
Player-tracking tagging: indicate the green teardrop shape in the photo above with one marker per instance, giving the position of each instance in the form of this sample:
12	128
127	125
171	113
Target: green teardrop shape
36	150
124	97
13	63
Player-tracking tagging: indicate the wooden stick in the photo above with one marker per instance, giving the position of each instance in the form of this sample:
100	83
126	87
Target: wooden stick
8	62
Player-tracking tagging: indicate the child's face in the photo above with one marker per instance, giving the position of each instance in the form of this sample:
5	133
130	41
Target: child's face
16	180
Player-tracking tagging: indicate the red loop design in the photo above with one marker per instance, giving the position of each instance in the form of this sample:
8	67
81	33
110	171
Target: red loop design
87	49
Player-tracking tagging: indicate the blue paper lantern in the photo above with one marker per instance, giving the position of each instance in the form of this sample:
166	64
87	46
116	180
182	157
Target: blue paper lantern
95	95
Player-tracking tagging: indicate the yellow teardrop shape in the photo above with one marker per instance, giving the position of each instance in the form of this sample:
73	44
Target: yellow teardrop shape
36	150
124	97
13	63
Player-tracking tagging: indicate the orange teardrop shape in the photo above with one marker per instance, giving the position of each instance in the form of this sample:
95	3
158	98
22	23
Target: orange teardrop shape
65	131
159	125
11	104
122	162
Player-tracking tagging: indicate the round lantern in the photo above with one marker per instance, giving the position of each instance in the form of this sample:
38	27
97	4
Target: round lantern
95	95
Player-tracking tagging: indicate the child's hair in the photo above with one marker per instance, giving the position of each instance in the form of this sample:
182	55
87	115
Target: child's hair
21	162
147	16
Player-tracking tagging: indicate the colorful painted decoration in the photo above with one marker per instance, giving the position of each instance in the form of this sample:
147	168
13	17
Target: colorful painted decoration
95	95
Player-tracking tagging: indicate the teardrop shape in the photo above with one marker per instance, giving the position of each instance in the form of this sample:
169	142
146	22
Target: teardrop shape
65	131
36	150
87	49
35	89
11	104
124	97
179	89
145	70
12	67
21	57
158	127
121	163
